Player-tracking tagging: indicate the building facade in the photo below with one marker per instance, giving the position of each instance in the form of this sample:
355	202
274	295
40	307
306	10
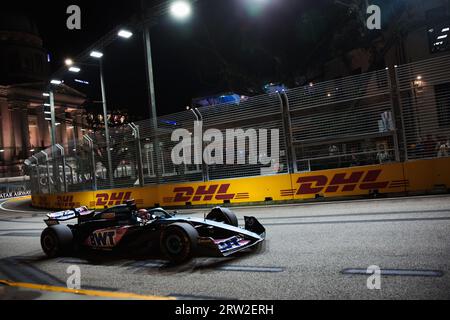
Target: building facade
24	72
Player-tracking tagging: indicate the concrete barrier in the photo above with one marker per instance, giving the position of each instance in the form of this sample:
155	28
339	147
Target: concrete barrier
422	176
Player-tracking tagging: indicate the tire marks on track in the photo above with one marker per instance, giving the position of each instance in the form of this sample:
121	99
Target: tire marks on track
20	270
22	234
151	266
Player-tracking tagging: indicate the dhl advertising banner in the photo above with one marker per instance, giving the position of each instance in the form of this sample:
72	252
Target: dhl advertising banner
347	182
415	176
144	197
171	195
242	190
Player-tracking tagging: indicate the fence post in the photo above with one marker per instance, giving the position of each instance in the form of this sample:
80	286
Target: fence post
48	172
63	157
94	167
71	174
291	157
205	169
394	113
397	99
37	170
137	137
55	173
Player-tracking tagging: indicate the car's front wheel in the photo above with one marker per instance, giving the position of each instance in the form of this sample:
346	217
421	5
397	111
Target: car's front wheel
56	241
179	242
223	215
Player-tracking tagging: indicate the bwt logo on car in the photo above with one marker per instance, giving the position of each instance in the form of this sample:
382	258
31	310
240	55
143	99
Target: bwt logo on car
116	198
103	239
341	182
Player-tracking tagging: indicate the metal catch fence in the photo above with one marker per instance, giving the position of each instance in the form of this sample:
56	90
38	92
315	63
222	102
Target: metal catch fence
390	115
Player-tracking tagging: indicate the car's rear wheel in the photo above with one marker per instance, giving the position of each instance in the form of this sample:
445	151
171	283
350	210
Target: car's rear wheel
223	215
57	241
179	242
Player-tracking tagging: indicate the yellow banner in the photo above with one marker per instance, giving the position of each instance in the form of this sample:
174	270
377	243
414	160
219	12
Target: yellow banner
356	181
415	176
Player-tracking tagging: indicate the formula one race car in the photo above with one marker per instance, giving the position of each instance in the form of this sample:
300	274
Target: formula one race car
126	228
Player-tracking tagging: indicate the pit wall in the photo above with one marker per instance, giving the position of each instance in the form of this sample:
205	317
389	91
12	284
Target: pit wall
423	176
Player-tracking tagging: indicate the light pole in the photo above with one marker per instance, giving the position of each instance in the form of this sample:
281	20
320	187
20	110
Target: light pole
73	67
105	115
180	9
72	127
51	96
151	89
53	117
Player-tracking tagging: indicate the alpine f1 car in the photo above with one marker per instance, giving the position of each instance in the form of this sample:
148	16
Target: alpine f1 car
124	227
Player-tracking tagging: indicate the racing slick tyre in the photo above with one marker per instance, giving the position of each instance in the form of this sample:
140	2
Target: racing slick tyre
179	242
223	215
56	241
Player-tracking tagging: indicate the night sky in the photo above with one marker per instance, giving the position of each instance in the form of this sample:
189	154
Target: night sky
227	45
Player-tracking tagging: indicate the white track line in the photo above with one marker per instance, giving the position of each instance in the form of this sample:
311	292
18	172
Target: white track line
17	211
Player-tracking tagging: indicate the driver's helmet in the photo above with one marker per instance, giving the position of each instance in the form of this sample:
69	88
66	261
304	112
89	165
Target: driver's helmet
144	214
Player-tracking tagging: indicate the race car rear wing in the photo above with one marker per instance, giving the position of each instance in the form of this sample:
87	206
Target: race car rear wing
56	217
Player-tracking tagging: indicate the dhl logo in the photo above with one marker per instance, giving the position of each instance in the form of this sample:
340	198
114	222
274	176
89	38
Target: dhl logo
205	193
65	202
341	182
113	199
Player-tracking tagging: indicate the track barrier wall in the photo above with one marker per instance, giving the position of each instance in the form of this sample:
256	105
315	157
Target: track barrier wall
422	176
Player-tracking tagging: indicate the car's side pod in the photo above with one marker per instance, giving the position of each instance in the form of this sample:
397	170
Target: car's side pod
253	225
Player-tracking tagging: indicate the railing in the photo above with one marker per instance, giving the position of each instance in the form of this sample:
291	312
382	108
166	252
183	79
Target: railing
424	90
390	115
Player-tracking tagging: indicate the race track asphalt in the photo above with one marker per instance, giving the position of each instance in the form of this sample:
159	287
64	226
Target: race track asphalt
308	247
